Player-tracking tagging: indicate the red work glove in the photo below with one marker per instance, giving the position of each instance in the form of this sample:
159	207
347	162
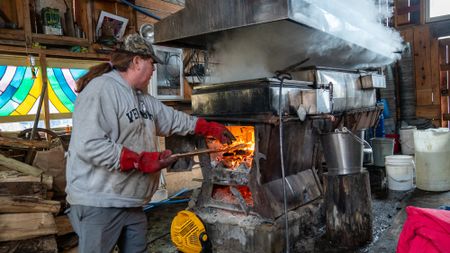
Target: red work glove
214	129
147	162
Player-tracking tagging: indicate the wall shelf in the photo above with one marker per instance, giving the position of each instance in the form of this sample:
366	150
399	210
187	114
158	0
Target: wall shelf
52	53
59	40
12	34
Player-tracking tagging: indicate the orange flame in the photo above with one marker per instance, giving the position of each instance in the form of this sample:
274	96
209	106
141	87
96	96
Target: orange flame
233	159
223	193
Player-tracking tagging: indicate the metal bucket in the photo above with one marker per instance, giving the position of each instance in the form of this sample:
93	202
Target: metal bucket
368	152
343	152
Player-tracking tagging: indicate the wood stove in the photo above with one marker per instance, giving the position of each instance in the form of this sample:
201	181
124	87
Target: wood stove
241	198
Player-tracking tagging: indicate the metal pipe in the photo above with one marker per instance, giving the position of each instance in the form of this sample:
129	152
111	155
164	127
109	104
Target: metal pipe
140	9
42	61
268	120
282	76
294	66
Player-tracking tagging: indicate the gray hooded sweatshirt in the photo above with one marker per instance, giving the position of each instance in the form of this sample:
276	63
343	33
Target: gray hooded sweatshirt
109	115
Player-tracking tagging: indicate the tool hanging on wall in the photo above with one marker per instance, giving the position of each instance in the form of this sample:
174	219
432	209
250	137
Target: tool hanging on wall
32	62
69	21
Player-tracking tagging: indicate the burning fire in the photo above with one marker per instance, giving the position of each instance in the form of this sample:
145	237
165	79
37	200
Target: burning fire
234	159
223	193
245	139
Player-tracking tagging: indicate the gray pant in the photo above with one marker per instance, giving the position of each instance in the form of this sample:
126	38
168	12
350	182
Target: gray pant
99	229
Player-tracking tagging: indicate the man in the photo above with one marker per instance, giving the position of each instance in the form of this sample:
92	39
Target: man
113	165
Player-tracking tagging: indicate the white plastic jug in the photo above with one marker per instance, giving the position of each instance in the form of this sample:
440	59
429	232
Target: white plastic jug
432	151
400	172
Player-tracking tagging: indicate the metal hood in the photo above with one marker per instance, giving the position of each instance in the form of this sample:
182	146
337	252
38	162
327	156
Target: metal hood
312	30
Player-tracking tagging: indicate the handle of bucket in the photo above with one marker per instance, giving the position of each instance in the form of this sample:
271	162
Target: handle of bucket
398	181
362	141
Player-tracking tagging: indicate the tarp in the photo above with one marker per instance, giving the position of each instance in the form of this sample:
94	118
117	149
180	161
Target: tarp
425	230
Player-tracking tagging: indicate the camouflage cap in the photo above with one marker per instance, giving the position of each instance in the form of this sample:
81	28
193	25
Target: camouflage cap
136	44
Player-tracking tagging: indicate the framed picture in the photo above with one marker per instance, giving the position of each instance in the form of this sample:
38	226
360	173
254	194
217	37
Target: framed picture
110	25
167	80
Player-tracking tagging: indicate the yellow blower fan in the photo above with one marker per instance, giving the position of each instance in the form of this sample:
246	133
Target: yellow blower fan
188	233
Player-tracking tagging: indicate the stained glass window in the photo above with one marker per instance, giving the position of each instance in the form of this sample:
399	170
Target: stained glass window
61	89
19	91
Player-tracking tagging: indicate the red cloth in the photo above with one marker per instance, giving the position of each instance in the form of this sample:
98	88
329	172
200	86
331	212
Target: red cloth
425	230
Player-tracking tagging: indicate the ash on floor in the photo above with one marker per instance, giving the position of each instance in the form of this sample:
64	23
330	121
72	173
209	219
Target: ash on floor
388	218
384	212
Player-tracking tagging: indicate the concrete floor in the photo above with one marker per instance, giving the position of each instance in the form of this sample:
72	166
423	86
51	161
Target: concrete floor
159	220
388	210
388	240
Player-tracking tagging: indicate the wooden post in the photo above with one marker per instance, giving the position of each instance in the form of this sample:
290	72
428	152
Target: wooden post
348	209
27	22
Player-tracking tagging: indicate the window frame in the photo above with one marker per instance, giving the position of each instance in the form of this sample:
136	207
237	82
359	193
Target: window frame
429	19
52	62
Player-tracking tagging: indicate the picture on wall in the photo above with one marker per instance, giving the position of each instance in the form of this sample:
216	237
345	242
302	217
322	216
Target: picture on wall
110	26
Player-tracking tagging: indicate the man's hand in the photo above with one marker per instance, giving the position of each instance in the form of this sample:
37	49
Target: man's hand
214	129
150	162
147	162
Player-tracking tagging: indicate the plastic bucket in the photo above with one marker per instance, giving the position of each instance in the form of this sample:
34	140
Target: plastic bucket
396	138
400	172
382	147
432	152
407	140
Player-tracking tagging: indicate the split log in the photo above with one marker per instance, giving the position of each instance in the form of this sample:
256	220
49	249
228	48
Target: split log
348	209
30	189
63	225
28	205
45	244
21	226
19	166
18	177
25	144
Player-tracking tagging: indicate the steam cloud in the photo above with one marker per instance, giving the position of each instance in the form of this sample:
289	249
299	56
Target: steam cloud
345	34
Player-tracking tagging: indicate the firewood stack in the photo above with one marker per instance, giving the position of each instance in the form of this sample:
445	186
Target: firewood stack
29	220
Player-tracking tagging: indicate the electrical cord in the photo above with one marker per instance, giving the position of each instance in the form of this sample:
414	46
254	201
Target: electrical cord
283	76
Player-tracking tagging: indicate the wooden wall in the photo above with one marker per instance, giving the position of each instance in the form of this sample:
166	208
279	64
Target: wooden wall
426	69
428	55
160	8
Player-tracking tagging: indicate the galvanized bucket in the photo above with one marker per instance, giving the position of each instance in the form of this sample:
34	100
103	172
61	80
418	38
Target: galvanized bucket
343	152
